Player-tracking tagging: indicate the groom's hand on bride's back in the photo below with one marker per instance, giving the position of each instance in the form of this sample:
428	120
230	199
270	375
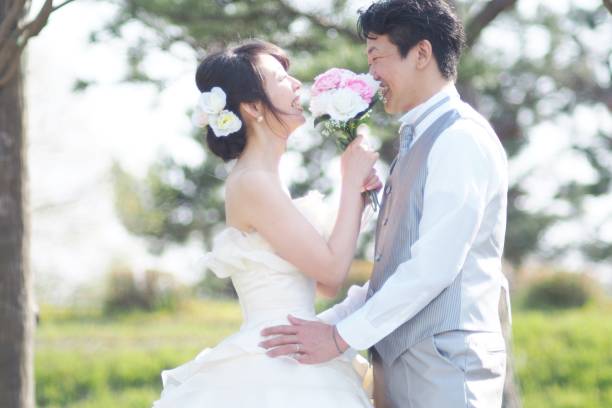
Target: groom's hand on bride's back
308	342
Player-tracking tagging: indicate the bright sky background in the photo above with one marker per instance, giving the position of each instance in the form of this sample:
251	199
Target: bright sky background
74	138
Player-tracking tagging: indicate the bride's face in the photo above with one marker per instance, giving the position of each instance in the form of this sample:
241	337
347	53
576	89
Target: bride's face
283	90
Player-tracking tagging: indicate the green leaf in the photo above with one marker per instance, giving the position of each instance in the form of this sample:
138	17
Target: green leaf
321	119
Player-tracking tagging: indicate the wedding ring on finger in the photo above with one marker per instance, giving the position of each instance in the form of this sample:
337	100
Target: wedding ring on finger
298	347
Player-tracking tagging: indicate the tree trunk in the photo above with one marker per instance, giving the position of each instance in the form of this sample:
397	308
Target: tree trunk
16	317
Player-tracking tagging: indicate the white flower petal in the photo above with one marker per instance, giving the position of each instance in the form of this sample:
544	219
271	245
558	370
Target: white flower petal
225	123
199	118
345	104
319	105
213	102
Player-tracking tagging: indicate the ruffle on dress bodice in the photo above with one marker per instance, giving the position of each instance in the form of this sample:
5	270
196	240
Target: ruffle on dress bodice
235	251
268	286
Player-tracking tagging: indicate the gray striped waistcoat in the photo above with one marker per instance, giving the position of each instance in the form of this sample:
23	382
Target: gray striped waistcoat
397	230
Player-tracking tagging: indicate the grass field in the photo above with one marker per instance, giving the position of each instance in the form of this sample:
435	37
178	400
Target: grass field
563	359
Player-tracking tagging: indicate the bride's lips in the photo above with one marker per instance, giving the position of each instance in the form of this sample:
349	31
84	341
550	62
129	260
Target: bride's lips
297	105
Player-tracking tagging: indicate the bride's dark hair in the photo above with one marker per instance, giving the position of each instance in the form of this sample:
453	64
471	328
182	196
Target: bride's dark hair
235	71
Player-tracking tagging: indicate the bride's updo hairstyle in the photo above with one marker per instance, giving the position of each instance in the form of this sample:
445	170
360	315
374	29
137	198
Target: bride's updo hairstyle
235	72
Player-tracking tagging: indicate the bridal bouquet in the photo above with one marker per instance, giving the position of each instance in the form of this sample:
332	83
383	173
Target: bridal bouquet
341	100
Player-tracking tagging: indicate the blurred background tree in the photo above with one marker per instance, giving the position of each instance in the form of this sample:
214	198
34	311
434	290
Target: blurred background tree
537	65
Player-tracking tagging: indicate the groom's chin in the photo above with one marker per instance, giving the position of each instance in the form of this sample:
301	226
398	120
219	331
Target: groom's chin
389	109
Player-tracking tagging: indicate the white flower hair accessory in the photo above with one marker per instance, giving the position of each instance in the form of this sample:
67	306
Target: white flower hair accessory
210	111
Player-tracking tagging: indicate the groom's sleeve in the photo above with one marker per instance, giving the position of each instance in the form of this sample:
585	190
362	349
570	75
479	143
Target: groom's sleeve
454	200
355	298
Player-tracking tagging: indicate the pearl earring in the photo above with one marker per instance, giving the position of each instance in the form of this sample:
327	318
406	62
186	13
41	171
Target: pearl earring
259	119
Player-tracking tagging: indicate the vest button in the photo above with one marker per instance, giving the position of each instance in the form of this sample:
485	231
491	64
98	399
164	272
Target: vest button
388	189
385	221
378	257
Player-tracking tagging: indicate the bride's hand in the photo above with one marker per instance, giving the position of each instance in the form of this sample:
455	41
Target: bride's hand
373	182
357	163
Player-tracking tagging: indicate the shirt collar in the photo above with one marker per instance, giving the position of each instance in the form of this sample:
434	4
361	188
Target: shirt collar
416	114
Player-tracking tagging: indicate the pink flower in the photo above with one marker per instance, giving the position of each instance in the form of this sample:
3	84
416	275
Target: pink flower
361	87
330	79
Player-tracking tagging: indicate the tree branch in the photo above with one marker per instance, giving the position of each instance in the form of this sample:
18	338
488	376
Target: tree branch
62	5
13	38
489	13
11	20
33	28
608	5
321	21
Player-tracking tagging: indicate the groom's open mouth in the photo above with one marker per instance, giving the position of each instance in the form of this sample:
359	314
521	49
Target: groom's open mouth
384	92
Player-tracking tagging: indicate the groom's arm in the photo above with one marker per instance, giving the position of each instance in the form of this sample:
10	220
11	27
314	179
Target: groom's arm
455	196
355	298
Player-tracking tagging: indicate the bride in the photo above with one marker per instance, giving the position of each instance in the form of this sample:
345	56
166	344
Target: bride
276	250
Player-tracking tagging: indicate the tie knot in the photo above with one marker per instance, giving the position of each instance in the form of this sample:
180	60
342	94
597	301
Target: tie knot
406	134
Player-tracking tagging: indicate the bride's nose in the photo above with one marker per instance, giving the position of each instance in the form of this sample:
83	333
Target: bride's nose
296	84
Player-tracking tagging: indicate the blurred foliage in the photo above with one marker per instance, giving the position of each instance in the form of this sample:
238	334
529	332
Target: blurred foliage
562	290
564	358
156	291
533	67
213	287
85	359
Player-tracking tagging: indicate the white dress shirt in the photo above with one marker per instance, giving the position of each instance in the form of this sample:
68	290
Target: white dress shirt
465	189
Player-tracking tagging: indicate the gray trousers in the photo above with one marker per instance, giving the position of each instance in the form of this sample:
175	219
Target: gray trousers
454	369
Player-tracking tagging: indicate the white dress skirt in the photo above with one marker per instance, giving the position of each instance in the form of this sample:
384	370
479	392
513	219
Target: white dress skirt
237	373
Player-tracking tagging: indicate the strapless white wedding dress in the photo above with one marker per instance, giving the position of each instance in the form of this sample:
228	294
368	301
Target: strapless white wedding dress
237	373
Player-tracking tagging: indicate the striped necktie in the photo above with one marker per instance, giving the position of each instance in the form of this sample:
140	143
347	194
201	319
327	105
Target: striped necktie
406	136
406	131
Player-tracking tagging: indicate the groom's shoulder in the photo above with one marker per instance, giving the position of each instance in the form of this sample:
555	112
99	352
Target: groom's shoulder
468	116
470	134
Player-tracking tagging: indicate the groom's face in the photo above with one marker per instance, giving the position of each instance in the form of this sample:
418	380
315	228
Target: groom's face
397	74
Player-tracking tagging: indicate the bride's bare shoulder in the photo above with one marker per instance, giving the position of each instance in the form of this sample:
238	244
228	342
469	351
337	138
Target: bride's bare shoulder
249	193
249	182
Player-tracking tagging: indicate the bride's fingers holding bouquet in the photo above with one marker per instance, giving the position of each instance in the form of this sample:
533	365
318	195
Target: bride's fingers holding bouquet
357	162
372	182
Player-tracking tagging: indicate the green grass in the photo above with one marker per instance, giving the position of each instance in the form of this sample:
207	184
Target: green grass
564	358
85	360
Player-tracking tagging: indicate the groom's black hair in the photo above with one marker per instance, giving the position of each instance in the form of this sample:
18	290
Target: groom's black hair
407	22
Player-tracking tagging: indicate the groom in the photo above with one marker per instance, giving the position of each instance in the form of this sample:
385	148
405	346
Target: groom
429	314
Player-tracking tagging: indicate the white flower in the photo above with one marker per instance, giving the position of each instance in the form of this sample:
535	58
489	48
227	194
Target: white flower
211	111
225	123
213	102
199	118
319	105
345	104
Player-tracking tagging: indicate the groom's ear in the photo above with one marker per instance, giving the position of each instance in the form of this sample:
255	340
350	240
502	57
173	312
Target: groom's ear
424	53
